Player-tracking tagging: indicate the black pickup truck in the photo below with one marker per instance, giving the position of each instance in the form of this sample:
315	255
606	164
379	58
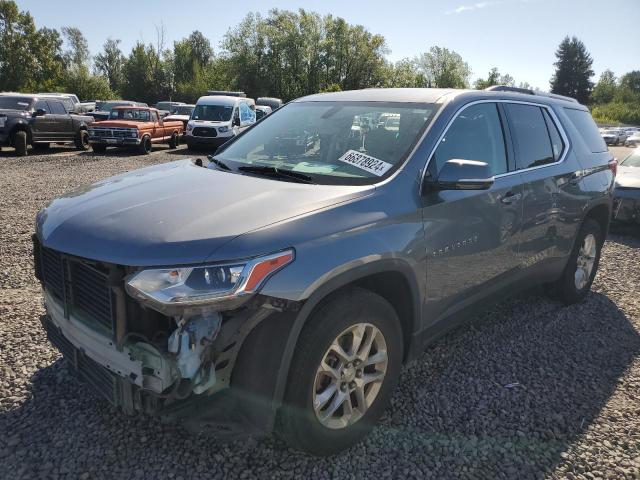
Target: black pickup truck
39	120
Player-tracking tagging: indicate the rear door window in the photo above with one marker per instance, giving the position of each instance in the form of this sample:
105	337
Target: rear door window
57	107
587	129
528	126
475	134
42	105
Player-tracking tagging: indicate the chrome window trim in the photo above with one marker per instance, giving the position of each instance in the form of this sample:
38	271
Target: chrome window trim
552	114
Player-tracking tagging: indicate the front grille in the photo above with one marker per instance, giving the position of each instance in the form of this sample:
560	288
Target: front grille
111	132
82	288
103	382
205	132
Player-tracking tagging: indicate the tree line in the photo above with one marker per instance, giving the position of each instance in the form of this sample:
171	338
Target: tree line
285	54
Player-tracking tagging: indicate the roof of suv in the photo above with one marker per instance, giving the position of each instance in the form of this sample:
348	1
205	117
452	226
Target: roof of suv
434	95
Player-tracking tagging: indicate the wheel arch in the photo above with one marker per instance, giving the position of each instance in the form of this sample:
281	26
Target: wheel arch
392	279
21	127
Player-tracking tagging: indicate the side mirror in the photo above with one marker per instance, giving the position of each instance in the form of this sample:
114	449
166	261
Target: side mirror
39	112
459	174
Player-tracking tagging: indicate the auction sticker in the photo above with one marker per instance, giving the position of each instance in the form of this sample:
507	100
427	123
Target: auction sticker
365	162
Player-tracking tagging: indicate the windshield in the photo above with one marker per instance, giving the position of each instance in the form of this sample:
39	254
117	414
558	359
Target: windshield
213	113
133	114
351	143
632	160
183	110
15	103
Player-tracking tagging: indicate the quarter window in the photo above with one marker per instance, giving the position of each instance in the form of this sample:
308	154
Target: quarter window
475	134
557	145
533	145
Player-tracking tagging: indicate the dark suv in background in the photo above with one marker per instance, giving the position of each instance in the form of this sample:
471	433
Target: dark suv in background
39	120
284	288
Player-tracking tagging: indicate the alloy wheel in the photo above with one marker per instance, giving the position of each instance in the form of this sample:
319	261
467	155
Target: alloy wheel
350	376
585	261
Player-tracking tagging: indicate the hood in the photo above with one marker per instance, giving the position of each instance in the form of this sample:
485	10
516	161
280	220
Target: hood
628	177
175	213
119	124
8	111
183	118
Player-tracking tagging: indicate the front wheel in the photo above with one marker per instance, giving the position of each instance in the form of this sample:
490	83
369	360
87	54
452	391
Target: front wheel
145	145
582	266
345	367
173	141
19	140
82	140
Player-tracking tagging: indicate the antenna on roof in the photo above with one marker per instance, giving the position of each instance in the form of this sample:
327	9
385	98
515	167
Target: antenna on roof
506	88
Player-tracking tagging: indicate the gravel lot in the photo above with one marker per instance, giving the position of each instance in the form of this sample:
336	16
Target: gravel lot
531	389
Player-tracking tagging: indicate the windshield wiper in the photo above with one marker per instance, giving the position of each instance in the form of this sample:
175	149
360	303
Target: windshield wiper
277	173
219	163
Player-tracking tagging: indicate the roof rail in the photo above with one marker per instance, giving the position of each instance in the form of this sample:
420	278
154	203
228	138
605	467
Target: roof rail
506	88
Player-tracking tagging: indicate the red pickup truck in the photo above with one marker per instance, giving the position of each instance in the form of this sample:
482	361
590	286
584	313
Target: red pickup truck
138	127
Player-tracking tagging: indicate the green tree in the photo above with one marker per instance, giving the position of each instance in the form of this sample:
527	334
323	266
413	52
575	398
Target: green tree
110	64
605	89
573	70
444	68
30	58
631	82
494	78
77	53
289	54
86	86
146	75
404	73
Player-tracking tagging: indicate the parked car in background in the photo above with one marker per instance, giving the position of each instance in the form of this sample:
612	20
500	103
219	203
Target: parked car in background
626	204
69	100
612	137
262	111
87	106
272	102
138	127
633	140
182	113
277	291
218	118
40	120
103	108
165	107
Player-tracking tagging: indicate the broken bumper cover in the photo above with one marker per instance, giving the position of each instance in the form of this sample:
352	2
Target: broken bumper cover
626	205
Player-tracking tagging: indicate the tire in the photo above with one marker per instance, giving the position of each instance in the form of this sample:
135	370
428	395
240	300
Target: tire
19	140
145	145
573	286
99	148
82	140
299	424
174	140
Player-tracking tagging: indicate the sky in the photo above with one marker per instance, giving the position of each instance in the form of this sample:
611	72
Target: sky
519	37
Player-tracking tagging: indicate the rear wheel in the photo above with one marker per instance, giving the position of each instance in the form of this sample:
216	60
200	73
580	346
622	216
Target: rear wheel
19	140
82	140
99	148
346	365
173	141
582	266
145	145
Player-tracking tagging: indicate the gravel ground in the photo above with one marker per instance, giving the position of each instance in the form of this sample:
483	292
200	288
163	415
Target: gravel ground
531	389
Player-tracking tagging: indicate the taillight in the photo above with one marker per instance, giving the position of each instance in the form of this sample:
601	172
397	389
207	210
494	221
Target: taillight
613	166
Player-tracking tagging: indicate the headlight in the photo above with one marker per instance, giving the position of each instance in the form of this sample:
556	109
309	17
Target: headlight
134	133
202	285
189	127
223	129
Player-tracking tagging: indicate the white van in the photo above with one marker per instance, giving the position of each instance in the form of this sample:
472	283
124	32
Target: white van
218	118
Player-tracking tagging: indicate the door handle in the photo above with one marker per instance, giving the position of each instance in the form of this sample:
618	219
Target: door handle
510	197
